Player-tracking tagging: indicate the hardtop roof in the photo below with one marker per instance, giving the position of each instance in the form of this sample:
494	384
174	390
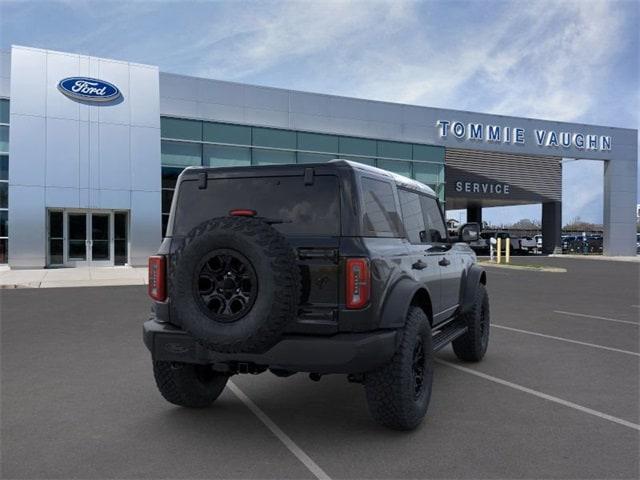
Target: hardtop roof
323	167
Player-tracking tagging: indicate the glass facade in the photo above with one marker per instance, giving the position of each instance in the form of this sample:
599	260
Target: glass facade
4	180
194	142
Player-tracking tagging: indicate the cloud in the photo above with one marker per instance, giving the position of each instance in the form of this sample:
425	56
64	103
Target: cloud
564	60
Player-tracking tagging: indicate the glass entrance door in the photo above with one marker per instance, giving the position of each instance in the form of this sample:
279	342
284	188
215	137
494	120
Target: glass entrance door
100	240
87	238
77	241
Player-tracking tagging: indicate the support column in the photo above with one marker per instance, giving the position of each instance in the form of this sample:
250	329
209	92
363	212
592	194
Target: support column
474	214
620	199
552	227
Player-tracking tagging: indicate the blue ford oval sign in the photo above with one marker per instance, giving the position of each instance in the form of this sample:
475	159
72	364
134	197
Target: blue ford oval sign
88	89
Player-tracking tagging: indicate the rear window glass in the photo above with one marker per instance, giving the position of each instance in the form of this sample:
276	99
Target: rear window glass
380	214
305	209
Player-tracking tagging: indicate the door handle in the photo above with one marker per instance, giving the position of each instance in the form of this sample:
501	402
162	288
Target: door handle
419	265
444	262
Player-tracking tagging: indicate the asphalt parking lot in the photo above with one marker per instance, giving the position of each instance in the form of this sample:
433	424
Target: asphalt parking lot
556	397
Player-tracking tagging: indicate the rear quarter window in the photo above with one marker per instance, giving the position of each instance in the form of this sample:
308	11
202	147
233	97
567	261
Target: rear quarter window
380	215
303	209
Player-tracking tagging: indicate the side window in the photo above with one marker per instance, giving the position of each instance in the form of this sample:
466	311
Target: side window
380	215
436	230
412	215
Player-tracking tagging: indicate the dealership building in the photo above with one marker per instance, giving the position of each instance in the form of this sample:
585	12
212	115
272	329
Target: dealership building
90	150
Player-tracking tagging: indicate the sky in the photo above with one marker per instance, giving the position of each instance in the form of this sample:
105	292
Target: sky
558	60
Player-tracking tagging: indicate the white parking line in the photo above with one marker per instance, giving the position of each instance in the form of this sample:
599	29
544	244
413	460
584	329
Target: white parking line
573	314
545	396
602	347
283	437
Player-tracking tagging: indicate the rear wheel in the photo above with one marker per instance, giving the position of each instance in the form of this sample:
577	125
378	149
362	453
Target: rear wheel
398	394
472	346
187	384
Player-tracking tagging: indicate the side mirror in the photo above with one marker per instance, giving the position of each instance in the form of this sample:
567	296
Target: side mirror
470	232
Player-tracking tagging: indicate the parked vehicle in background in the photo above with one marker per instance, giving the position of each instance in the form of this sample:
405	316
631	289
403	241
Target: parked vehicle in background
582	244
528	245
638	243
322	268
538	239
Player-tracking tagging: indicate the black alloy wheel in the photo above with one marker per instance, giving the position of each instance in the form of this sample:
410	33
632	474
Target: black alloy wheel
226	285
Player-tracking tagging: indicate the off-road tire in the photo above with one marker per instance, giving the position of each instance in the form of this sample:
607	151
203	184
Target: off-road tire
278	284
391	390
188	385
472	346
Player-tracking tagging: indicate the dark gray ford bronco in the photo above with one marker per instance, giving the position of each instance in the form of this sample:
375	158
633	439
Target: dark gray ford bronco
322	268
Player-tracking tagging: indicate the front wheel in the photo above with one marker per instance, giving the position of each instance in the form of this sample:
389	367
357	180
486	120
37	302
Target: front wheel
398	394
187	384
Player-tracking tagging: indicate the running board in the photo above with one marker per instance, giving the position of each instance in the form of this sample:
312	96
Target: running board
447	334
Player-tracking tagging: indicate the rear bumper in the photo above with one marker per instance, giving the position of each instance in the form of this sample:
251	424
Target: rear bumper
341	353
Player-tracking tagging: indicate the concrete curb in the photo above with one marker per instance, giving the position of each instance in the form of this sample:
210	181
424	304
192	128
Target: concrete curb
601	258
114	282
524	267
72	277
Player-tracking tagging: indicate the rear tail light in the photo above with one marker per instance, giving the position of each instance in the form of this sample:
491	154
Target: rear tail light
358	282
157	278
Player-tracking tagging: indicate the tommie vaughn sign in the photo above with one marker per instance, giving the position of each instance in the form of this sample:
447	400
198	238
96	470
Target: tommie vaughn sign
478	132
88	89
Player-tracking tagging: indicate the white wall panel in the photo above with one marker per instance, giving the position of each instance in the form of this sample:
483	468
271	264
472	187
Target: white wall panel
115	199
180	87
118	74
145	155
223	113
145	234
29	81
94	155
309	103
63	153
144	91
27	227
27	142
272	118
62	197
210	91
115	162
59	66
83	150
267	98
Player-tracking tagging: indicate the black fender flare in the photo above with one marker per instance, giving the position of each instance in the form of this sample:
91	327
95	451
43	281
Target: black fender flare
396	306
476	275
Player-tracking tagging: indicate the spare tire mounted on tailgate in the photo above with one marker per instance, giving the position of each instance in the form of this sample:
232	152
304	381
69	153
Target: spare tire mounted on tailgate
235	284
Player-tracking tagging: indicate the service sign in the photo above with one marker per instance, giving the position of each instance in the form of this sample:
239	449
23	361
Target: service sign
88	89
478	132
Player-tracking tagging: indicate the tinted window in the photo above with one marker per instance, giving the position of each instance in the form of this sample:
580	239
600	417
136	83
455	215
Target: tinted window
182	154
411	215
304	209
4	167
223	133
380	215
436	230
178	128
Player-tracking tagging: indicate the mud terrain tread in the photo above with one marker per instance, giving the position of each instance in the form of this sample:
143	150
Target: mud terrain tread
468	347
286	276
389	403
181	386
